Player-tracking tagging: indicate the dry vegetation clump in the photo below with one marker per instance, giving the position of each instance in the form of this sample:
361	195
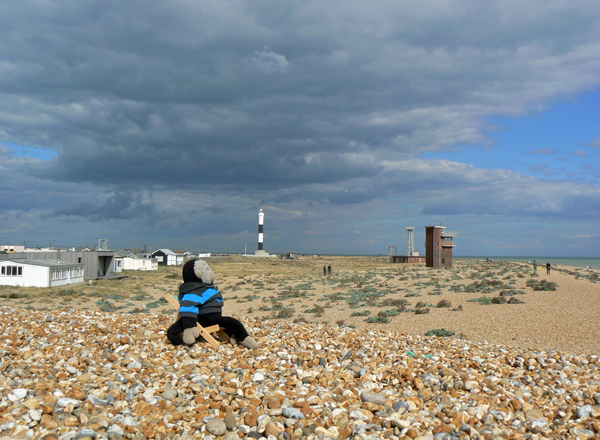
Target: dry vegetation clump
542	285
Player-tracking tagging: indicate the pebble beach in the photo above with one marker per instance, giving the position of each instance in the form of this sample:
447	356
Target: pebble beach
79	372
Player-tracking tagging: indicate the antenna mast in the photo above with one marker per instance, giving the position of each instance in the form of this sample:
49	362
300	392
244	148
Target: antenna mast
410	241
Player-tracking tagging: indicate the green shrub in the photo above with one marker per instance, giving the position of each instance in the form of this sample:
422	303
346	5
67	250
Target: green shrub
377	319
317	310
442	332
444	303
286	312
484	300
106	306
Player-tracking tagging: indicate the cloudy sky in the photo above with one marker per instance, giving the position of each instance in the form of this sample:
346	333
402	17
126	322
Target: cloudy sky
172	122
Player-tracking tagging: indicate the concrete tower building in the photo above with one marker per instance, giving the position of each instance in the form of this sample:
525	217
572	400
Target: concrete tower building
438	246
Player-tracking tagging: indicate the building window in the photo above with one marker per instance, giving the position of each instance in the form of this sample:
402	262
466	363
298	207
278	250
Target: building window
11	270
79	259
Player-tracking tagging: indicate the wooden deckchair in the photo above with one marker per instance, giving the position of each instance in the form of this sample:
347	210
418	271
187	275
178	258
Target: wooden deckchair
205	332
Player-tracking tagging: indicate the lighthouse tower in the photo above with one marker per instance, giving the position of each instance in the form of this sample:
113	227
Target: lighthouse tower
261	222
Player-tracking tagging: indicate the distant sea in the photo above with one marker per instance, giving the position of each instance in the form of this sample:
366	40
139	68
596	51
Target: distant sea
593	263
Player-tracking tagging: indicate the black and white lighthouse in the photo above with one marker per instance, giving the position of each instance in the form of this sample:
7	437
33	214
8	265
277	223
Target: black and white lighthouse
261	222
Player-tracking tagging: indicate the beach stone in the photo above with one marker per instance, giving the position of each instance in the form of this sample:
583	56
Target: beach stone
344	433
20	393
83	378
258	377
372	398
359	415
121	378
35	414
31	403
400	423
231	436
95	400
584	412
216	427
262	422
292	413
135	366
169	394
85	433
48	422
230	421
273	402
401	405
66	401
273	429
471	385
537	425
115	429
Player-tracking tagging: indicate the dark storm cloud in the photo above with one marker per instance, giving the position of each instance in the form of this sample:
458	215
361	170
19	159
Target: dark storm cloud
253	87
118	205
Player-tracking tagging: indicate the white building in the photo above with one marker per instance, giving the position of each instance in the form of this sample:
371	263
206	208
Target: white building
11	248
167	257
40	273
133	263
118	262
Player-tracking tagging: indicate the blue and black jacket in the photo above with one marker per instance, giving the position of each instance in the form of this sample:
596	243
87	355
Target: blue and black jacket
196	298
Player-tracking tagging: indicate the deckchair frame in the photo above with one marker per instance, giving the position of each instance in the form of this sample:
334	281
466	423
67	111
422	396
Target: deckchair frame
205	332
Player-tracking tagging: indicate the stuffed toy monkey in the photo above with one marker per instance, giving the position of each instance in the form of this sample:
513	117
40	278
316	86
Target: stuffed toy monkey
200	301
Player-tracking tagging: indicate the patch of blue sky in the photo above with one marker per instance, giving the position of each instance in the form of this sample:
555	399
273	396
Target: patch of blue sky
33	152
562	142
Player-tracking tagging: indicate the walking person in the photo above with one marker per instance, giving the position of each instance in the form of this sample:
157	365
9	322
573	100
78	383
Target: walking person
535	268
324	270
548	268
329	269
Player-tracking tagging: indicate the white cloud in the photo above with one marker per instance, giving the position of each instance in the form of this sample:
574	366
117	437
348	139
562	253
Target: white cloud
269	62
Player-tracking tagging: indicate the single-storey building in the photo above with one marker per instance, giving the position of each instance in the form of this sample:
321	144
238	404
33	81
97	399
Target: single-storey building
167	257
118	263
40	273
136	263
11	248
407	259
97	264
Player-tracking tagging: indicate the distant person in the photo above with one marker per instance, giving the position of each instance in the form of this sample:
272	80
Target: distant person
535	268
548	268
324	270
329	269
